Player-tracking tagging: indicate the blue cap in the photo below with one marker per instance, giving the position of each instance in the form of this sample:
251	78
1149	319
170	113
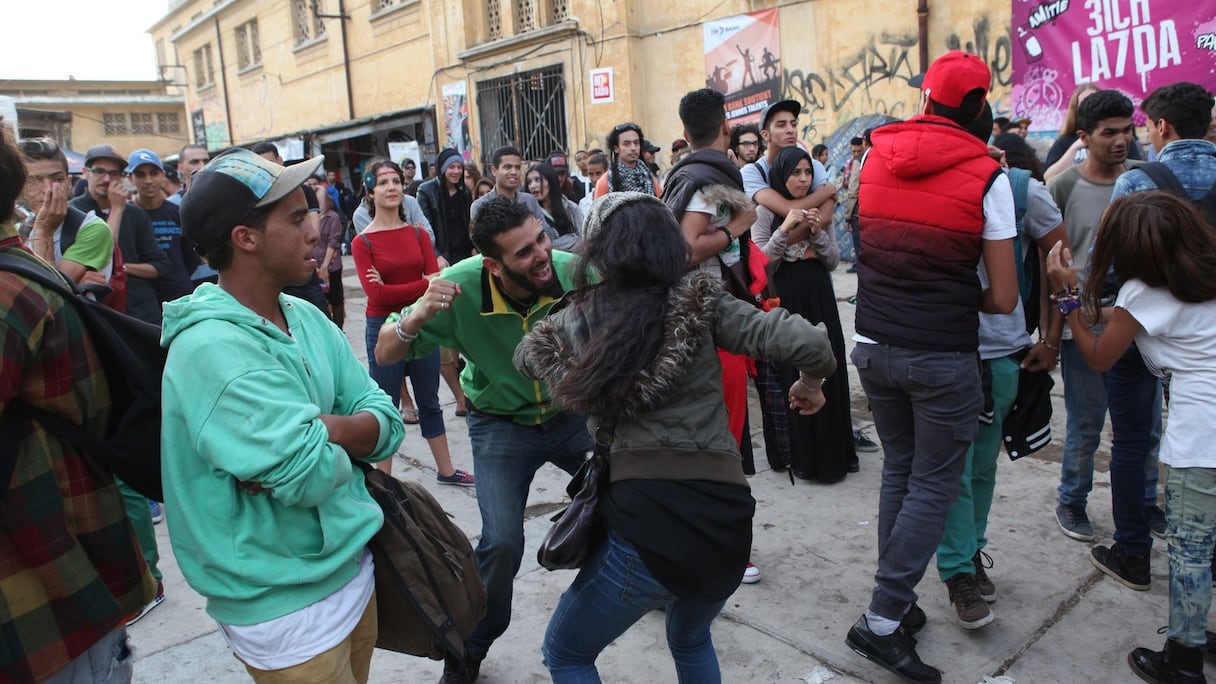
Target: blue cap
140	157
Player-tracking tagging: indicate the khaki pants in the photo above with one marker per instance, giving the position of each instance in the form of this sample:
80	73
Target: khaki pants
347	663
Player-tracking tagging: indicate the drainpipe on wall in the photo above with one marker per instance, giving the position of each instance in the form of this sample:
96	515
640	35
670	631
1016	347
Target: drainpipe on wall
922	21
219	49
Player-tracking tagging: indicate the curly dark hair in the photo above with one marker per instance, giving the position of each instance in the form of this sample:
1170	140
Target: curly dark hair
495	217
1102	105
614	139
737	132
1186	106
1019	154
12	173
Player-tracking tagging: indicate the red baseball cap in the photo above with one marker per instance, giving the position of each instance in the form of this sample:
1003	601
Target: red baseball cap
953	75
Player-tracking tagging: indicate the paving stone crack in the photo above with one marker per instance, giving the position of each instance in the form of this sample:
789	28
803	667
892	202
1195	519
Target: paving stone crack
1063	609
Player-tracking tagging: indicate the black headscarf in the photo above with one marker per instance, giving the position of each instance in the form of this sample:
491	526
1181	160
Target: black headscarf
787	159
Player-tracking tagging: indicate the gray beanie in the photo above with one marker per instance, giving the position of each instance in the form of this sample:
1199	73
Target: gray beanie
603	207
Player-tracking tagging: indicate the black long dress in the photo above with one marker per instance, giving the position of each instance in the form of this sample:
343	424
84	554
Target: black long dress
821	445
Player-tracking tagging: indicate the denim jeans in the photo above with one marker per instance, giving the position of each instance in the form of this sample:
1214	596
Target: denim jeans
1085	405
424	378
506	456
613	591
1134	396
967	523
926	407
1190	508
109	661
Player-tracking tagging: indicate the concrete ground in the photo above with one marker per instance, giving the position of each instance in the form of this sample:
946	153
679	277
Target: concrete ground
1057	618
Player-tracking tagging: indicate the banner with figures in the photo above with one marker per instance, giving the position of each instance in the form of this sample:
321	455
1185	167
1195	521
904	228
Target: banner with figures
1134	46
743	62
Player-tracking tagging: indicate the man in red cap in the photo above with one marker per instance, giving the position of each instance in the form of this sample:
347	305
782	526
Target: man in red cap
931	204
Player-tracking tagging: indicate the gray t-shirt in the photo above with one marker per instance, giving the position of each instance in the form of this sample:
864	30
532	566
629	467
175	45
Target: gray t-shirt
521	197
1082	202
1005	334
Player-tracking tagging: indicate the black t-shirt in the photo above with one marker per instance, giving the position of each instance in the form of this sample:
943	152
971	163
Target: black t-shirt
167	227
455	226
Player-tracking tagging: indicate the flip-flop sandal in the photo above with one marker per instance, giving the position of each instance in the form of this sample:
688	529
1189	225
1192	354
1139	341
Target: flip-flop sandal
409	416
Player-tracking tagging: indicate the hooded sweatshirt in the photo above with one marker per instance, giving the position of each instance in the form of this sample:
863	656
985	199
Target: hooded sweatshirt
241	403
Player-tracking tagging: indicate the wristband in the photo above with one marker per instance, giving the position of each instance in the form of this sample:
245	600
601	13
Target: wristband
1068	305
726	231
402	334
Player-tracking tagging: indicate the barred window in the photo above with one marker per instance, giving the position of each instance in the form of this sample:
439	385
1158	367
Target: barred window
204	72
494	19
168	122
141	123
525	15
248	47
114	124
305	23
561	10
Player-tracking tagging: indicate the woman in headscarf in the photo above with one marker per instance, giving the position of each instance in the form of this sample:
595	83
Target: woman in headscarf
821	446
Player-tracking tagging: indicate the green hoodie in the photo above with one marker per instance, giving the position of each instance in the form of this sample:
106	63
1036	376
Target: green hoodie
241	403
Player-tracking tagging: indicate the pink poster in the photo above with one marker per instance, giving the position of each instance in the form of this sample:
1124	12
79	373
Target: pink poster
1135	46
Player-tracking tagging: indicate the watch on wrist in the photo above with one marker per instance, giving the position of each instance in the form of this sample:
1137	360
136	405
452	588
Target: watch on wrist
726	231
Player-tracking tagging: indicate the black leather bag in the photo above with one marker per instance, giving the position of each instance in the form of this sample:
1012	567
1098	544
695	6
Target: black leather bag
579	529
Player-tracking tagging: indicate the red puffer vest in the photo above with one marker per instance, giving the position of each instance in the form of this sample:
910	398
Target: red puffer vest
921	212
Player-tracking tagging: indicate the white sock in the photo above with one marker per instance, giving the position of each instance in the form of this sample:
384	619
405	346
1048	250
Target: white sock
881	626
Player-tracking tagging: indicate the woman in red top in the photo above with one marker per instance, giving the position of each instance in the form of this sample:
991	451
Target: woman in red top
393	260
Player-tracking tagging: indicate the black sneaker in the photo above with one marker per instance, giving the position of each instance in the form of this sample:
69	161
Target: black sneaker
1074	523
1130	571
461	671
895	652
1176	664
862	444
914	620
1156	521
987	589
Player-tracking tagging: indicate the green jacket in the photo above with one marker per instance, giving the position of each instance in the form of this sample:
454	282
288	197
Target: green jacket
241	403
485	330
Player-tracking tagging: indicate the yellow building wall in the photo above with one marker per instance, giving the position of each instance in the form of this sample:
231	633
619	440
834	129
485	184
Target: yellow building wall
839	58
88	130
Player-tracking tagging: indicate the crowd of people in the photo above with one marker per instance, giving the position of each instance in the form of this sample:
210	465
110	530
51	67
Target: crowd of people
608	302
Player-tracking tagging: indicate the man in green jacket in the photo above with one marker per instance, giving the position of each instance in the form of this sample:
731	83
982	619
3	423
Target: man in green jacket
482	308
264	408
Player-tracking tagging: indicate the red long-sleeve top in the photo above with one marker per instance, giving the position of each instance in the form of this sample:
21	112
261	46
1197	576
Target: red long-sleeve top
402	257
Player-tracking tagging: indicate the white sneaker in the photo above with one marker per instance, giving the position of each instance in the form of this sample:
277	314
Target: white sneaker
751	575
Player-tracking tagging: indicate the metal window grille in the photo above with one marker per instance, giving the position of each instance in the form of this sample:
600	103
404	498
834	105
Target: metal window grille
494	19
318	26
168	122
560	10
248	52
200	69
300	24
525	16
207	60
114	124
141	123
526	110
382	5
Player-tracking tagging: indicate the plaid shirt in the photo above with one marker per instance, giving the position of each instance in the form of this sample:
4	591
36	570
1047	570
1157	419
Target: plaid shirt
70	567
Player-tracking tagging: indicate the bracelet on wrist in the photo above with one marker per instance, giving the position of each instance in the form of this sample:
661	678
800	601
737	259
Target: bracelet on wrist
1054	347
811	383
402	334
1068	305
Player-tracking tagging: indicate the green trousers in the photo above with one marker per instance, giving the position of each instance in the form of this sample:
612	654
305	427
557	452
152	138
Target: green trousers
967	522
141	519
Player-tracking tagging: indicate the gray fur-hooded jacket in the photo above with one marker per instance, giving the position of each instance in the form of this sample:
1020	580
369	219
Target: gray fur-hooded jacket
673	425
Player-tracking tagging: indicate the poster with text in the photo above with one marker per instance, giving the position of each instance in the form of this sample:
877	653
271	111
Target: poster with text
1134	46
456	118
743	62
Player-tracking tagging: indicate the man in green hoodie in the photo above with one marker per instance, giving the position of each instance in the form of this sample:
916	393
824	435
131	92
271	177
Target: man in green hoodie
265	406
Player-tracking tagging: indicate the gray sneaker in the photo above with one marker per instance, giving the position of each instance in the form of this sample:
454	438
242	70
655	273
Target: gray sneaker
1074	523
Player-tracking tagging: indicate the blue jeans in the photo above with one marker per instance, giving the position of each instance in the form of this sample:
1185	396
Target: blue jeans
424	378
1134	396
1085	406
926	408
613	591
1190	508
109	661
506	456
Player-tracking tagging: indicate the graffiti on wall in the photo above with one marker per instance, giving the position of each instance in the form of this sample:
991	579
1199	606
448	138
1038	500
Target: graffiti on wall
216	128
862	82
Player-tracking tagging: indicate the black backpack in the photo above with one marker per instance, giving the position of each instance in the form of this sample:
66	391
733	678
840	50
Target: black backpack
1164	179
429	595
132	360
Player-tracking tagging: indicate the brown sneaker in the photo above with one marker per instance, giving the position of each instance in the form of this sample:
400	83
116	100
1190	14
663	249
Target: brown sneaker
985	585
973	612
